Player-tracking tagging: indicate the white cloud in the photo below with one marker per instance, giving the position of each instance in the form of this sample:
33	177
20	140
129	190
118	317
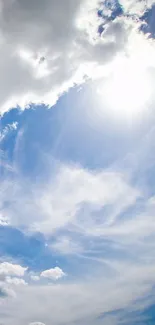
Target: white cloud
32	78
105	209
35	277
43	59
3	220
136	6
45	47
69	198
66	245
15	281
5	291
7	129
54	274
84	301
125	274
36	323
10	278
134	227
11	269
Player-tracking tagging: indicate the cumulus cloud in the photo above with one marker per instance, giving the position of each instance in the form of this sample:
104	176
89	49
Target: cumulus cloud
10	277
11	269
53	274
136	7
40	59
5	291
15	281
43	59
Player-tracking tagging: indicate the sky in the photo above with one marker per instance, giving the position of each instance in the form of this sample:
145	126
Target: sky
77	162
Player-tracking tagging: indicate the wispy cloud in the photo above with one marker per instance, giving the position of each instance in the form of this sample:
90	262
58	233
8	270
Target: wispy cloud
7	130
70	197
99	206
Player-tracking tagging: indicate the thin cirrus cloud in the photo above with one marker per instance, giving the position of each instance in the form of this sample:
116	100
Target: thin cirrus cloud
7	129
70	192
66	246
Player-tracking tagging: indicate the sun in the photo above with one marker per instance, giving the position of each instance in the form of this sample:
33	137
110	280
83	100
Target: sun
127	91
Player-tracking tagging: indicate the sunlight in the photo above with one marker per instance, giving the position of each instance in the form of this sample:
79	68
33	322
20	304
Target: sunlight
127	91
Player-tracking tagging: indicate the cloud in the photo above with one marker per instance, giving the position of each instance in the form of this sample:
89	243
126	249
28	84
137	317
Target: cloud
11	269
10	277
100	219
7	129
53	274
36	323
66	246
39	63
123	267
6	292
82	301
71	197
3	220
15	281
35	277
113	221
136	7
42	62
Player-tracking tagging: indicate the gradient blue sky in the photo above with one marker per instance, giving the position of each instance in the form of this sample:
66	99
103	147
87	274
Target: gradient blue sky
77	165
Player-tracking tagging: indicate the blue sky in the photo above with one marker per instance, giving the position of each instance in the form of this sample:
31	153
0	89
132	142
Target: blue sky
77	162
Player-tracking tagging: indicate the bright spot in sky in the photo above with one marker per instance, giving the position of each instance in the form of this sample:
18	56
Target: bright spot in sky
127	92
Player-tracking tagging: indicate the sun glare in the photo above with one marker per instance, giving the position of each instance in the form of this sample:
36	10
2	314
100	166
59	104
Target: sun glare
127	91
